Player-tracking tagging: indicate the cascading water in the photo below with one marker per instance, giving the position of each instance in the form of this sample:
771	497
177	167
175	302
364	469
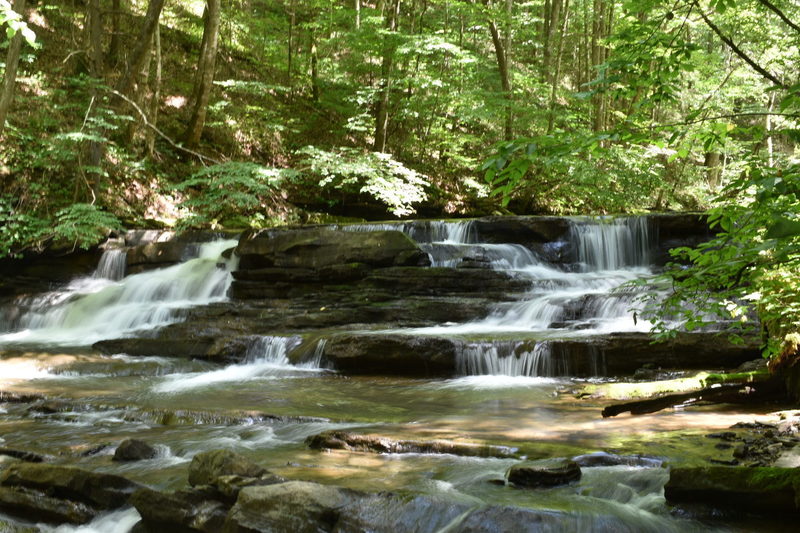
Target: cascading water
91	310
112	265
563	302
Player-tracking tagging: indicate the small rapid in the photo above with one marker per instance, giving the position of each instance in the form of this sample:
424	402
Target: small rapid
266	358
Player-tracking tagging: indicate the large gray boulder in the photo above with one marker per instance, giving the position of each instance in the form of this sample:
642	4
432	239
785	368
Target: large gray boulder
292	507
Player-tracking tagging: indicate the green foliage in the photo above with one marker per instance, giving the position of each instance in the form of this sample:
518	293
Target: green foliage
14	23
748	275
233	190
78	225
375	174
18	230
83	225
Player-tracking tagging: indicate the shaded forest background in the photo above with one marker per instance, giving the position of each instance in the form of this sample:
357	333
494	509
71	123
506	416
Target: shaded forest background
253	113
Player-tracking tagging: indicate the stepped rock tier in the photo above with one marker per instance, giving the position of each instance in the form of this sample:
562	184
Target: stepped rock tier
391	376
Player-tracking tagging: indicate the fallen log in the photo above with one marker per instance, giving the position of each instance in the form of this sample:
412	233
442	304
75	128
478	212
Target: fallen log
731	393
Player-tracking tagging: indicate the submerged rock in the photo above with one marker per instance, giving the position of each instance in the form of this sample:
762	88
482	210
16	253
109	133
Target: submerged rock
134	450
756	489
548	473
343	440
206	467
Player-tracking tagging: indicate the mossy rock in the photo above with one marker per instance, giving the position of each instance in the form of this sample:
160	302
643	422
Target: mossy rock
757	489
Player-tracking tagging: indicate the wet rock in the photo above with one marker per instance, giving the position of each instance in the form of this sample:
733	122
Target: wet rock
343	440
548	473
438	281
23	455
391	354
391	512
206	467
181	510
39	506
134	450
610	459
191	347
105	491
497	518
315	248
292	507
756	489
228	487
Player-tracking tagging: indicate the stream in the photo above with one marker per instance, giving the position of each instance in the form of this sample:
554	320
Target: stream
507	391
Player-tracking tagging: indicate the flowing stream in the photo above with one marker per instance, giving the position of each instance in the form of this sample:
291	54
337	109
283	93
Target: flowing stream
507	393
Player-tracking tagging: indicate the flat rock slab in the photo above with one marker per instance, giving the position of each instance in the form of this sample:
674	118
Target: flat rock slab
343	440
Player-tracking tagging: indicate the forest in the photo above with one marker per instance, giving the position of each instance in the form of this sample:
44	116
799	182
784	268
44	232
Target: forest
399	265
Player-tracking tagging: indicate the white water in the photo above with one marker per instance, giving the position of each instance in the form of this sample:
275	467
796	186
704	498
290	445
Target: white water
582	301
93	309
121	521
112	265
267	358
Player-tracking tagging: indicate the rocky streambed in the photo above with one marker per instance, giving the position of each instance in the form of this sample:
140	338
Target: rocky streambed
407	376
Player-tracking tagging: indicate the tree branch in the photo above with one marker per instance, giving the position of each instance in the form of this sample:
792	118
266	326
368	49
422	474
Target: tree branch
160	133
738	51
718	117
772	7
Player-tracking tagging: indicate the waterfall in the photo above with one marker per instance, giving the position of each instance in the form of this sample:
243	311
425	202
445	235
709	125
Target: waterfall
88	312
575	301
612	244
112	264
504	359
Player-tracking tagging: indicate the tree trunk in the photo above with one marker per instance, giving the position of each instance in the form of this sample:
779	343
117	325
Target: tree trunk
314	71
505	79
205	73
115	45
556	76
12	63
155	95
598	30
290	49
358	14
382	111
128	82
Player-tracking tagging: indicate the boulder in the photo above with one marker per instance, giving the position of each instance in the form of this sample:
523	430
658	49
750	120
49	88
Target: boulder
134	450
547	473
39	506
388	354
104	491
292	507
316	248
164	345
756	489
206	467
